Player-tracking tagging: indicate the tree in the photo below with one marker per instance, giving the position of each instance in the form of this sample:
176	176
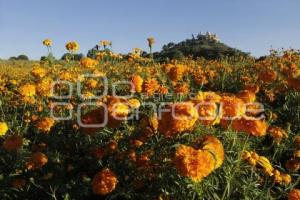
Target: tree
22	57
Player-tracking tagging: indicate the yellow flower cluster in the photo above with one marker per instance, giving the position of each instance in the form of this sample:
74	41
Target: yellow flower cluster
260	161
88	63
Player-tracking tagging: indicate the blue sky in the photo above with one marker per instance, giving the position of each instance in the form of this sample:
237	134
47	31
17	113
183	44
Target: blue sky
250	25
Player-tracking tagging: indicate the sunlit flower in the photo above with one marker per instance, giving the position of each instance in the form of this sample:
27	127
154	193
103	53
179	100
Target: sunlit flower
150	86
195	164
3	128
178	118
250	125
72	46
27	90
88	63
47	42
137	82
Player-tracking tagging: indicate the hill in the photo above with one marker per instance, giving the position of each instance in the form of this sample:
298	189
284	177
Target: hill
204	45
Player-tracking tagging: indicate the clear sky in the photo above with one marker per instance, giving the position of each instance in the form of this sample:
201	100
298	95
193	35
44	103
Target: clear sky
250	25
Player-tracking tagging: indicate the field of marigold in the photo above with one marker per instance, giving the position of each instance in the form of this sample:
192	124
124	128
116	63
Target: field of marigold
128	127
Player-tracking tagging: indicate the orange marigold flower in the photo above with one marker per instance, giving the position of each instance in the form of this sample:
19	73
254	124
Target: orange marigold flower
98	153
180	117
163	90
150	86
268	76
294	83
294	194
231	108
37	160
215	147
195	164
250	125
252	88
182	89
45	124
247	96
104	182
176	73
137	82
292	164
13	143
277	133
207	97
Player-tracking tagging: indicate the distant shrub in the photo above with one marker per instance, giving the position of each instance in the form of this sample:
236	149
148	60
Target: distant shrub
69	56
22	57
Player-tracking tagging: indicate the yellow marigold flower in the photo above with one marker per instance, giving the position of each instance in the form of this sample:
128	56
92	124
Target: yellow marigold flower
43	87
91	83
27	90
45	124
36	161
38	72
13	143
105	43
265	163
118	108
137	82
151	41
192	163
286	179
180	117
88	63
3	128
72	46
215	147
47	42
294	194
104	182
134	103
